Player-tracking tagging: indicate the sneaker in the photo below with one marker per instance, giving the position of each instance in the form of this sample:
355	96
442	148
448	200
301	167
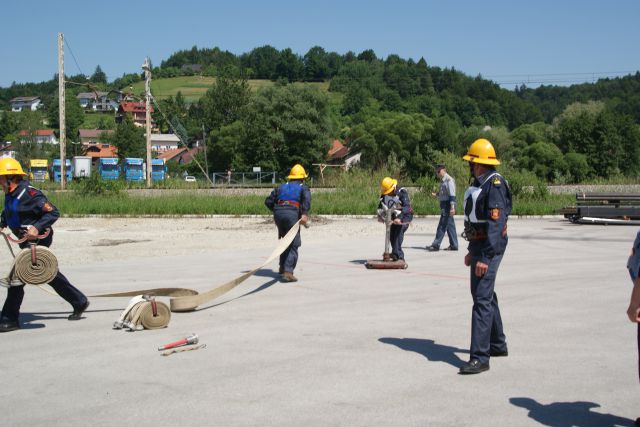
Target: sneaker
289	277
432	248
77	312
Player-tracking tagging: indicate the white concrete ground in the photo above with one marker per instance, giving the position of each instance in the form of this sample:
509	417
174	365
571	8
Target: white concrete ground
343	346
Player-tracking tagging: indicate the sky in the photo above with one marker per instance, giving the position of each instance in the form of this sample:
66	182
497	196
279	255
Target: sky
511	42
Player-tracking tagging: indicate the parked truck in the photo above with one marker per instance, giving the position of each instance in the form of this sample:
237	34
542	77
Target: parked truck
158	170
81	167
108	168
39	170
134	169
67	170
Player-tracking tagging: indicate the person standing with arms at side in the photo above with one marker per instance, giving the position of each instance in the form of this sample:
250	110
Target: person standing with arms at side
447	197
395	198
27	211
290	202
487	205
633	311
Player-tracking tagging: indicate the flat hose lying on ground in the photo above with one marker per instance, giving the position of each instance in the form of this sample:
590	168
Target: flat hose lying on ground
188	300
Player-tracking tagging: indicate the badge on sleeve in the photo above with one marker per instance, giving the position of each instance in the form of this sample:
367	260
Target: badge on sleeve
496	181
495	214
47	207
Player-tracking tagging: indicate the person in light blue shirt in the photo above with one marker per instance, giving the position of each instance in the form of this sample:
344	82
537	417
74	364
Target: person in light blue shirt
447	198
633	311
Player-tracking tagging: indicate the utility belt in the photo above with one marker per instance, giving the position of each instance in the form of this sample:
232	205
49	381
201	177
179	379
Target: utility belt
474	232
288	203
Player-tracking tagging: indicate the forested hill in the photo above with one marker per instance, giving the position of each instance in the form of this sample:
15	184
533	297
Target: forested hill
389	109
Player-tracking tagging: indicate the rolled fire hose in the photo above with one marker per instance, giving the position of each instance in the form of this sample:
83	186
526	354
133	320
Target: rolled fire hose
35	265
183	300
144	312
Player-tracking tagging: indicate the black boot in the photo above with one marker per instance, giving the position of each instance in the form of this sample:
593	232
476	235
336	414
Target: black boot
7	325
77	312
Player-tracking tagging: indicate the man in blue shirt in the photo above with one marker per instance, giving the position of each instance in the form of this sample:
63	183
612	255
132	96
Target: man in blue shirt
290	202
447	198
27	211
487	205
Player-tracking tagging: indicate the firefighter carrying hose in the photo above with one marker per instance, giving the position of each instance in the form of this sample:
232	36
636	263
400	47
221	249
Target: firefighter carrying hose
487	205
290	202
27	211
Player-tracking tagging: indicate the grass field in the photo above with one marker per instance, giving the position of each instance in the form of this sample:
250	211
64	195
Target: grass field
194	87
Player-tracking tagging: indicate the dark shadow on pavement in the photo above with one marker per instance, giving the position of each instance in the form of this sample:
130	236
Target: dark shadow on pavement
358	261
264	272
261	288
569	414
429	349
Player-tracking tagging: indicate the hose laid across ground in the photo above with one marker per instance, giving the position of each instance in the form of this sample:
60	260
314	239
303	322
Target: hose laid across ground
188	300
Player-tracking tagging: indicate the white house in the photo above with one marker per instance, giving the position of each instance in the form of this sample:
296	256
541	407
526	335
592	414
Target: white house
40	136
97	101
162	142
25	103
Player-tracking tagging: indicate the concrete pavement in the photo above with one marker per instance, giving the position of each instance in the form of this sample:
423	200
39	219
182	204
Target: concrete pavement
344	345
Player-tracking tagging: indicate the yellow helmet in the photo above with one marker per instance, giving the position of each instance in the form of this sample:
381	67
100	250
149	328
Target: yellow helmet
297	172
481	151
387	185
9	166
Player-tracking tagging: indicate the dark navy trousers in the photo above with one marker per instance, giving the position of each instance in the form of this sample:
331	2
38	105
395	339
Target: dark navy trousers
396	236
486	324
60	284
446	224
285	218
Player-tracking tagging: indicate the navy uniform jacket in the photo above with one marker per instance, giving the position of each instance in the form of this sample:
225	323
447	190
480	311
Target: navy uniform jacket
292	191
26	205
401	198
633	263
492	209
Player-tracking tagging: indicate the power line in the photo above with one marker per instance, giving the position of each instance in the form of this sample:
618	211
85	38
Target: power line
73	56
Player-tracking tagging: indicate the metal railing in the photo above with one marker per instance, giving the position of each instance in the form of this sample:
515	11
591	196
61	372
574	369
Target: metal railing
243	178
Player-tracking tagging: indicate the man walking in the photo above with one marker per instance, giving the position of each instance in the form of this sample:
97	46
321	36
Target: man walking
447	197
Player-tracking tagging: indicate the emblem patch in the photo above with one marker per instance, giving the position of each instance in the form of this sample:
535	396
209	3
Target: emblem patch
495	214
497	181
47	207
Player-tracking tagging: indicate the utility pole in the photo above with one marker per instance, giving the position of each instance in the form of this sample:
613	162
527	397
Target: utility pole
61	100
204	143
147	91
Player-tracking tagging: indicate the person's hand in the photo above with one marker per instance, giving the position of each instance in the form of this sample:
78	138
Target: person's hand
434	194
452	212
304	219
32	233
467	260
633	312
397	221
481	269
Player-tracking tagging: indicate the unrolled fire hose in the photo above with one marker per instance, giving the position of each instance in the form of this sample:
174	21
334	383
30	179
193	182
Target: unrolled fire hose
35	265
140	309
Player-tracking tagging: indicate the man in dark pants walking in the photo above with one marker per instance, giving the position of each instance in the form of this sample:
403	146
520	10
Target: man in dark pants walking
27	211
447	197
290	202
487	205
633	311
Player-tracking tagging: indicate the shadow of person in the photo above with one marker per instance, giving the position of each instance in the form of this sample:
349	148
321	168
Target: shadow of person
429	349
32	320
266	272
261	288
569	414
358	261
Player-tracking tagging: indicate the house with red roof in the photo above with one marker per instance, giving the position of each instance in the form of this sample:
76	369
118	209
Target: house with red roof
137	110
39	136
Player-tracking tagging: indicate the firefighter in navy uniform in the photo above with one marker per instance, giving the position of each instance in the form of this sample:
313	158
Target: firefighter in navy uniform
487	205
27	210
398	198
290	202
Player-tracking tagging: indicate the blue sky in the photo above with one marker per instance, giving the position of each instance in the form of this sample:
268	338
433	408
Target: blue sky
510	42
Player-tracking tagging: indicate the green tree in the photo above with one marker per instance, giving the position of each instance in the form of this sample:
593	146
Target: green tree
74	116
128	138
99	76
